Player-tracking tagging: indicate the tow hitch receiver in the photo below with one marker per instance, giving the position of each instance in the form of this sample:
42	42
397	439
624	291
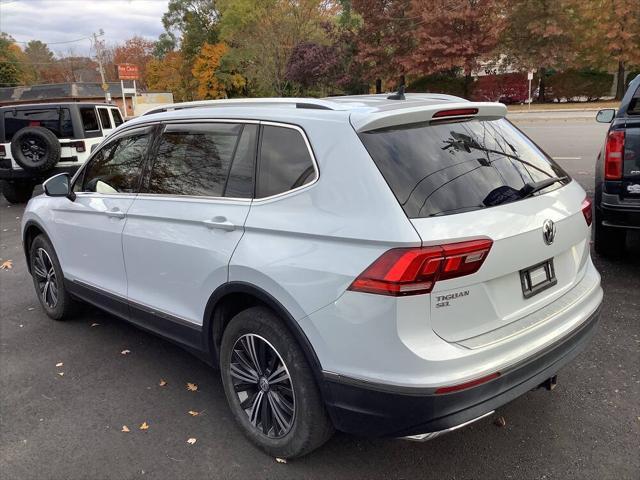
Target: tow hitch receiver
550	383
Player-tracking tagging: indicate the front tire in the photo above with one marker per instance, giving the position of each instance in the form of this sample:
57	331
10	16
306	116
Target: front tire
17	192
270	387
49	281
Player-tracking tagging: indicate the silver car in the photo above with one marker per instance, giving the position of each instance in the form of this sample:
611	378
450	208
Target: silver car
388	267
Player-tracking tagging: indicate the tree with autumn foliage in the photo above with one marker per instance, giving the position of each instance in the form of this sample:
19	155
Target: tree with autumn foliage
13	68
137	51
384	37
168	75
453	33
212	80
540	35
610	35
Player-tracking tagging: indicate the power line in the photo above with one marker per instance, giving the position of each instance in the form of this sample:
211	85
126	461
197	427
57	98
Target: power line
54	43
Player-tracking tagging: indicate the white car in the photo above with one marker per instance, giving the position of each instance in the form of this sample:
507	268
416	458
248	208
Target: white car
40	140
387	267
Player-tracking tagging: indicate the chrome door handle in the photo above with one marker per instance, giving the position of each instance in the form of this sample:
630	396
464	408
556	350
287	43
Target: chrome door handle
220	223
115	213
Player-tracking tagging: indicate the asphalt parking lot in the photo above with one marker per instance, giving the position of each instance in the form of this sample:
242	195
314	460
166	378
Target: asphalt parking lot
69	426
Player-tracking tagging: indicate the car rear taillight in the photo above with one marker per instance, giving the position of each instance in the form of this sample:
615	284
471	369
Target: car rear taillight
79	146
613	155
455	112
587	211
3	152
414	271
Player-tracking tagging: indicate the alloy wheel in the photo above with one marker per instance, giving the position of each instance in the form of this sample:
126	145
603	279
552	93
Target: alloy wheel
263	385
46	277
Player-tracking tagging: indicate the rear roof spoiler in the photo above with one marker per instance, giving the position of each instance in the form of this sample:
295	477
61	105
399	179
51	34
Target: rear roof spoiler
364	122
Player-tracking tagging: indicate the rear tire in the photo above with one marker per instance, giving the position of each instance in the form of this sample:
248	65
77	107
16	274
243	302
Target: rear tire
49	281
608	241
17	192
277	405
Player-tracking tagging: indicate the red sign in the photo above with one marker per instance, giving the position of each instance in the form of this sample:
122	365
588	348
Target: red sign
128	71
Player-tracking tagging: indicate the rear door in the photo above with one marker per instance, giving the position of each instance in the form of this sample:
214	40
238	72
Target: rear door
631	156
186	223
106	122
460	181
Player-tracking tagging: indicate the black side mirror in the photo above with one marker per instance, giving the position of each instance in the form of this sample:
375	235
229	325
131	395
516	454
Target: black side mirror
606	116
59	186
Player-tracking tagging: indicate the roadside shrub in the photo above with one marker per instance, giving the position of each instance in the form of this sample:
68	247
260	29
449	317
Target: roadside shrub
580	84
449	83
506	88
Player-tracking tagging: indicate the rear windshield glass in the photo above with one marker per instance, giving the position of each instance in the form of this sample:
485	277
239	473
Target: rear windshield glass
58	120
441	169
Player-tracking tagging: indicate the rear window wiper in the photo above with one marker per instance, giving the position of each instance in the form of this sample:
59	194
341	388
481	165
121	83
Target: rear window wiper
532	187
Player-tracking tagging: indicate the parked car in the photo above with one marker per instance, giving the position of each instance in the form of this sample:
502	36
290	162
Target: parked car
383	267
617	192
41	140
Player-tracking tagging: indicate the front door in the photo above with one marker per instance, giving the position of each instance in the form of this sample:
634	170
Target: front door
88	230
184	226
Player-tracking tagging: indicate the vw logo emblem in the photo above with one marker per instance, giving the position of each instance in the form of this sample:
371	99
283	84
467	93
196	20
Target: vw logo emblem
548	231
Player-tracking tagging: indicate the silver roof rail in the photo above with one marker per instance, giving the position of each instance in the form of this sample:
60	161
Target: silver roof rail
311	103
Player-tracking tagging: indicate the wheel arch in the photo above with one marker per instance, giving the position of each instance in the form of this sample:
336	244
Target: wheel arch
30	231
234	297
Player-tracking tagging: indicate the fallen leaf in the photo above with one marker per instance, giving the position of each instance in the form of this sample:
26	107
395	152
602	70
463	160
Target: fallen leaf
61	373
500	422
125	352
192	387
59	364
163	382
6	265
281	460
144	426
191	441
125	429
193	413
95	324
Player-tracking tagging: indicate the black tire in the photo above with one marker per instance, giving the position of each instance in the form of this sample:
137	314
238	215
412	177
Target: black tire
35	149
297	399
17	192
42	254
608	241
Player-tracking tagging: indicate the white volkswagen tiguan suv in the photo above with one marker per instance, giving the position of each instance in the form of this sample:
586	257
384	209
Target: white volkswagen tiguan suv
385	267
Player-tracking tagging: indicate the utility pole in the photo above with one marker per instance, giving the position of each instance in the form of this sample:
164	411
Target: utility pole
98	45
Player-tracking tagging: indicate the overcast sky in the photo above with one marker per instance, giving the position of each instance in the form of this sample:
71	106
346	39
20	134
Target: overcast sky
53	21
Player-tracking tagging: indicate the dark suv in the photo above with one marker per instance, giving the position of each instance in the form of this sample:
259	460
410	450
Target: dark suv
41	140
617	192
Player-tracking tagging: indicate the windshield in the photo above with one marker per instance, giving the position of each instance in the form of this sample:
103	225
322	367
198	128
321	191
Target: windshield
446	168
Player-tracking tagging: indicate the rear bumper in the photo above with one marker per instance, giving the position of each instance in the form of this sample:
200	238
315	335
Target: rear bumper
615	212
365	408
17	174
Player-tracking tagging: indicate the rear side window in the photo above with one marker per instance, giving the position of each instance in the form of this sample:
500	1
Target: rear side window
116	167
104	118
89	119
117	118
285	161
58	120
194	159
441	169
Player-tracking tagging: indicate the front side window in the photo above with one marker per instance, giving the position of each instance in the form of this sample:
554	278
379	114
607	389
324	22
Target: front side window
446	168
194	159
285	161
104	118
58	120
116	167
89	119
